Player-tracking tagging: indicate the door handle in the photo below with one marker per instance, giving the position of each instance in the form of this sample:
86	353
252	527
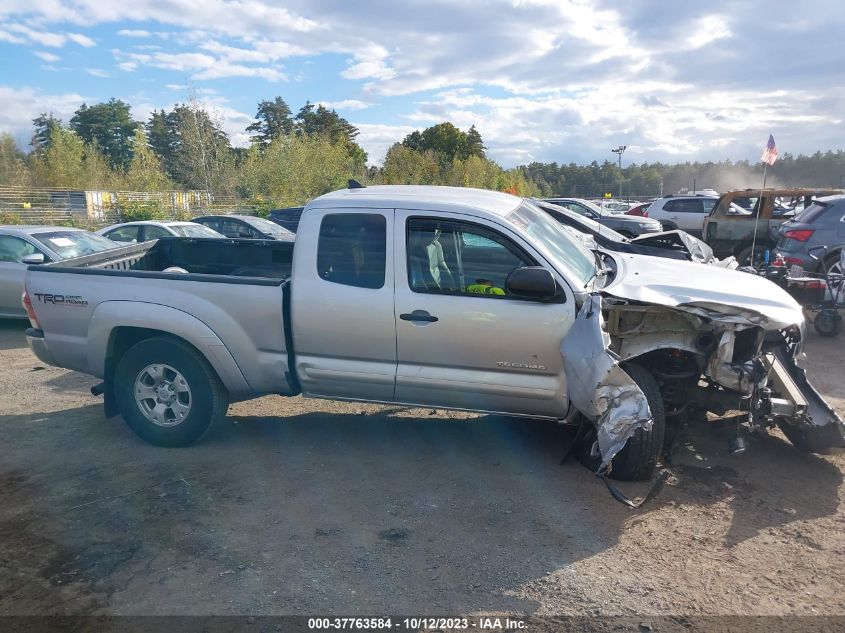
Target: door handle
419	315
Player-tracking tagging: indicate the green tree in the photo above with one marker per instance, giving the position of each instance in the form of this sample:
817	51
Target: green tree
295	168
406	166
145	171
194	150
13	168
272	119
321	121
110	126
43	125
475	145
69	162
446	141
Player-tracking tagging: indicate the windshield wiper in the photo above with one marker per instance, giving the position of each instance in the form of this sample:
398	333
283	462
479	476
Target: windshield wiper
600	270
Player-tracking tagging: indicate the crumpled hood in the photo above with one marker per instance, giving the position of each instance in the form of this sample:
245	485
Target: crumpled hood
704	289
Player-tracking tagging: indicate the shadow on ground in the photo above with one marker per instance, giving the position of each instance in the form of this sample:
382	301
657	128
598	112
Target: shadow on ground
336	513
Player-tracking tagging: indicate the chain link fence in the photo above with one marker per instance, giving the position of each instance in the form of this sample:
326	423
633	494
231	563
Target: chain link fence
76	207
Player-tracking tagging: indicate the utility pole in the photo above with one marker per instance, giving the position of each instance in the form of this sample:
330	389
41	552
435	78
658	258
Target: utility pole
619	151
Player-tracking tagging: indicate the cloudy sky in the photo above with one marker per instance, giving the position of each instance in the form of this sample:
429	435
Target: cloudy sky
541	79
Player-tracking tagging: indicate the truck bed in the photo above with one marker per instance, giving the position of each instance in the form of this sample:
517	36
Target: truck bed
230	303
257	259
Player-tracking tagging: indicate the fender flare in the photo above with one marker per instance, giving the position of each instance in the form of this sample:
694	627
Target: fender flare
110	315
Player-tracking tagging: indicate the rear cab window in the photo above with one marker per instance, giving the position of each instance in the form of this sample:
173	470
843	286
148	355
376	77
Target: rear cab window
352	249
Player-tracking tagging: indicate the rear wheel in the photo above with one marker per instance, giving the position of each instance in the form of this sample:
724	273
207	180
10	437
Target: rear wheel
638	458
167	392
827	323
668	226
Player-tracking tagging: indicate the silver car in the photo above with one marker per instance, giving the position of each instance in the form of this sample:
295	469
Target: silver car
24	245
145	230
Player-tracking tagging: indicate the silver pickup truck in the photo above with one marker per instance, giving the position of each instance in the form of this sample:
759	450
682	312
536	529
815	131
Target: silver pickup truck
436	297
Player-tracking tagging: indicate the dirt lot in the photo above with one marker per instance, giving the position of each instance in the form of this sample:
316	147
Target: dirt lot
309	507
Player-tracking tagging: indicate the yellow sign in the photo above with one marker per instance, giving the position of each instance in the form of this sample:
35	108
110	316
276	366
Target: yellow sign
608	195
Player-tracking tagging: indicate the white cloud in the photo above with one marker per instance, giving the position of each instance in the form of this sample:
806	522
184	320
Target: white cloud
346	104
82	40
377	138
47	57
22	104
12	39
199	65
97	72
134	33
128	66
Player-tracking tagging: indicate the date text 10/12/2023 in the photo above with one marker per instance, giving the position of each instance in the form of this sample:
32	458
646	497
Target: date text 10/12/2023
491	623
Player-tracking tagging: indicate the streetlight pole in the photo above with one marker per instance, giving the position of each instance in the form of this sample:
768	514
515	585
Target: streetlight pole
619	151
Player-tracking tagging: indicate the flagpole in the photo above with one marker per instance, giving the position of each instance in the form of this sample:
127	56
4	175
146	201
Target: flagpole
757	217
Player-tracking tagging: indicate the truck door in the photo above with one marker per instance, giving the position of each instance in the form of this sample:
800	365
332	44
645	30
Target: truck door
343	326
462	341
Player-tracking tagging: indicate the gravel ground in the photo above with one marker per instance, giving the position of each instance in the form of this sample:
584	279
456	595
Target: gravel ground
301	507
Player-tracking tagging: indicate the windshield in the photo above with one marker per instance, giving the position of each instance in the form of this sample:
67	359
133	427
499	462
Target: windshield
68	244
812	212
194	230
270	228
573	257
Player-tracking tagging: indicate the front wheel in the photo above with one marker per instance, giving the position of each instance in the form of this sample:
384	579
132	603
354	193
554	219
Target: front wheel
638	458
167	392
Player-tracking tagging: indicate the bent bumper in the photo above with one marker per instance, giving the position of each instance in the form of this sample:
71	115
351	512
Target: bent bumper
36	342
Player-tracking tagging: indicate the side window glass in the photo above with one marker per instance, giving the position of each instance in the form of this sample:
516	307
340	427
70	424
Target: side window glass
457	258
352	249
124	234
708	206
154	232
14	249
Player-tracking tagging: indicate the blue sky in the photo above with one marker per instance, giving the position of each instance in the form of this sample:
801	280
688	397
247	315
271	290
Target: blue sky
541	79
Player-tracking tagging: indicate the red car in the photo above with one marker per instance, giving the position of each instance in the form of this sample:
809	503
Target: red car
638	210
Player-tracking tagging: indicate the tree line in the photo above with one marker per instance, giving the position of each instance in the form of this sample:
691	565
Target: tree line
821	169
295	157
291	157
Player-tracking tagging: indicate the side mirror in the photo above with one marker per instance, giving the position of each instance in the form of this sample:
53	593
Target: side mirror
34	258
532	282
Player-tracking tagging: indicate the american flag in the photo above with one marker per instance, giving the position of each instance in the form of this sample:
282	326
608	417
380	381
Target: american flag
770	154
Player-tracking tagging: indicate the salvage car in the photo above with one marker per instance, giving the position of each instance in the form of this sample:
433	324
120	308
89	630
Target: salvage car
434	297
669	244
629	226
745	219
144	230
24	245
245	226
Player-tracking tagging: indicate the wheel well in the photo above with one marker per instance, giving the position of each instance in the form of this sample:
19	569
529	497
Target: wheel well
121	340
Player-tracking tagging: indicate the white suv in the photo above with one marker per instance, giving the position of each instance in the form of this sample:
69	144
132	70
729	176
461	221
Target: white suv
682	212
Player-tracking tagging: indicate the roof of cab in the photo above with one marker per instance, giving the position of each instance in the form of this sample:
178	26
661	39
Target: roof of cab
430	197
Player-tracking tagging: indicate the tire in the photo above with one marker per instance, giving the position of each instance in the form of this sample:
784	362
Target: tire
827	323
638	458
178	382
668	226
744	256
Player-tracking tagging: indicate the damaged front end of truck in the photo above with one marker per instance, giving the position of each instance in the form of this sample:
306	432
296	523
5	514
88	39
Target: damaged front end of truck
711	348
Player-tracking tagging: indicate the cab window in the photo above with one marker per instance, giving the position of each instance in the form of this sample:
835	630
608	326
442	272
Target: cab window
446	257
352	249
